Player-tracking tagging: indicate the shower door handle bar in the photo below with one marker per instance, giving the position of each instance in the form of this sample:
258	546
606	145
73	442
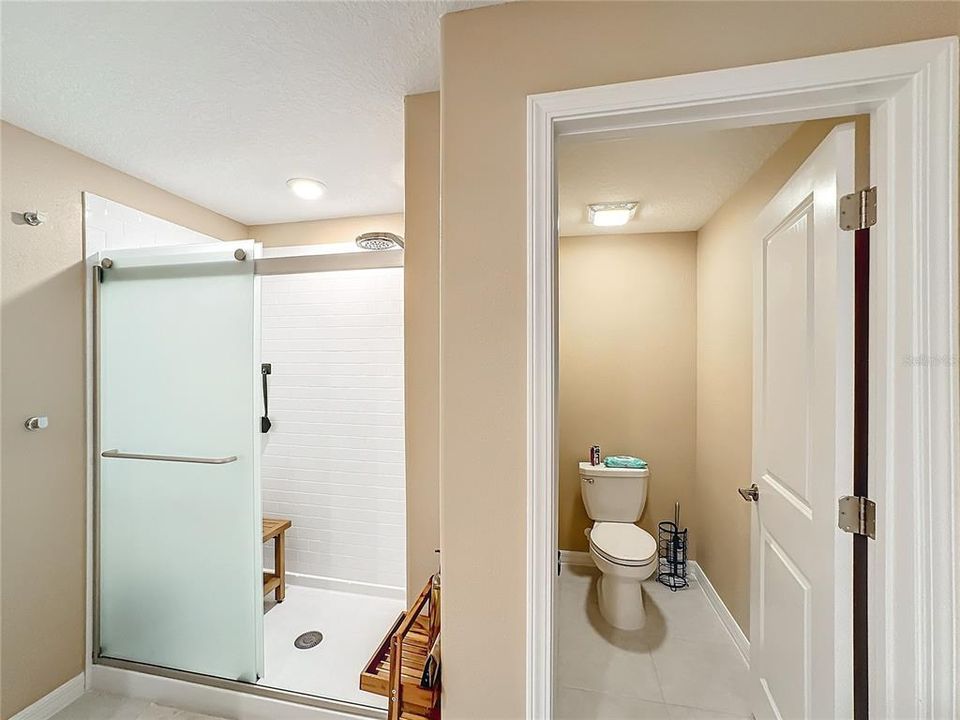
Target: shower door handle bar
170	458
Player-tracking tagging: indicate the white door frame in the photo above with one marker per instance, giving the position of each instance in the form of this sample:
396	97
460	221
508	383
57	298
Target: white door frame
910	92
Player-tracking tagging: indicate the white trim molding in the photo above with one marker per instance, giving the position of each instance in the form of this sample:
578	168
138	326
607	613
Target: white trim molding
577	558
696	573
542	445
911	94
54	701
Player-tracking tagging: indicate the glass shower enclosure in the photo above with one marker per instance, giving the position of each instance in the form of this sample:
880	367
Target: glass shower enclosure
177	488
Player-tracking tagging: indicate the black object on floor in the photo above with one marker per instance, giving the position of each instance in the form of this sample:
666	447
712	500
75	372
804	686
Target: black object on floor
672	556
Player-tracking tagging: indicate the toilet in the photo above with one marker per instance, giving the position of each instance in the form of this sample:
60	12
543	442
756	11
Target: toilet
625	554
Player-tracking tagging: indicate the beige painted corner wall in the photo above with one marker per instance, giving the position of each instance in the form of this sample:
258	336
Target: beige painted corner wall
725	365
321	232
421	300
492	58
628	348
42	496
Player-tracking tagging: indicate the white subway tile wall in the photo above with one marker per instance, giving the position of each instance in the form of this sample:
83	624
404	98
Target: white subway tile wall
108	225
333	462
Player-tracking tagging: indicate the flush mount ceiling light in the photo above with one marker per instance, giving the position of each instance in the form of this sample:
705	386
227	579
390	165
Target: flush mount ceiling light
611	214
306	188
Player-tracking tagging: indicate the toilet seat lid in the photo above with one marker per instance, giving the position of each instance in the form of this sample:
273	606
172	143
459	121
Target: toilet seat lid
623	541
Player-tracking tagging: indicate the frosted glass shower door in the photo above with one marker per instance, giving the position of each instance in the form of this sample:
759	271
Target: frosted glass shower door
179	498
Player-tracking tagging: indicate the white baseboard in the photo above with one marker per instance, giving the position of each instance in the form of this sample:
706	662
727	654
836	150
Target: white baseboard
54	701
347	586
726	619
208	700
576	557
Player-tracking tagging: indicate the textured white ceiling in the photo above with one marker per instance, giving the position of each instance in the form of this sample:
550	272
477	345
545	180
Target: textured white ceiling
681	177
221	102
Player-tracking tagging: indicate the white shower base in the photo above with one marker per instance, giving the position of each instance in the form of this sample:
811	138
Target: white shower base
352	624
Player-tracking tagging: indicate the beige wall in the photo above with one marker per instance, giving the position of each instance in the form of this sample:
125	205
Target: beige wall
42	496
421	299
725	367
628	324
492	58
318	232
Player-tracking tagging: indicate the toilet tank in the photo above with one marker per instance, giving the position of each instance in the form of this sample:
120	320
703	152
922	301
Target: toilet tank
613	494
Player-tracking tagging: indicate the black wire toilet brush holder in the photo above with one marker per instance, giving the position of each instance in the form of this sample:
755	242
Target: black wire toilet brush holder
671	555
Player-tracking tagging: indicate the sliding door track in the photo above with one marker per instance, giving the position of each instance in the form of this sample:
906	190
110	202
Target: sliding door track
340	706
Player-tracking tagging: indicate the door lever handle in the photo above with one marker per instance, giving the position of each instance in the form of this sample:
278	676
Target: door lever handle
750	494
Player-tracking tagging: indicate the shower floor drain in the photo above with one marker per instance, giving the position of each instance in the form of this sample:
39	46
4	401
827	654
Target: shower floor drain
308	640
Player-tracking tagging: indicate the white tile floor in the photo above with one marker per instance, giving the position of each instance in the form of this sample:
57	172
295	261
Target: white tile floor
352	625
101	706
681	666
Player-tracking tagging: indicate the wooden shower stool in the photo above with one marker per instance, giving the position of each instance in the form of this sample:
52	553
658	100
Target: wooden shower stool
274	529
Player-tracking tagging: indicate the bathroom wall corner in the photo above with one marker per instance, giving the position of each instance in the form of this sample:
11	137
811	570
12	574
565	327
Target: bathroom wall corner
422	334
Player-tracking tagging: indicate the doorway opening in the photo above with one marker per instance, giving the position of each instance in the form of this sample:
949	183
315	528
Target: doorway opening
694	376
911	267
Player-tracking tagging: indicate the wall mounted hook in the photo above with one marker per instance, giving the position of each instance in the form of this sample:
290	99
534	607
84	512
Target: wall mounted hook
38	422
34	217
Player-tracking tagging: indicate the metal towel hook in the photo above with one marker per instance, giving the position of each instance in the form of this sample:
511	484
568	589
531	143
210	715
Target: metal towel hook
34	218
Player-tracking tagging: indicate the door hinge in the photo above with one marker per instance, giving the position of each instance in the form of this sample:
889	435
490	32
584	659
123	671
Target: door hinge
858	210
857	515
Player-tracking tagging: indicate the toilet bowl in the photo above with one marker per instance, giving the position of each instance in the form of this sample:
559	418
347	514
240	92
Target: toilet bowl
625	554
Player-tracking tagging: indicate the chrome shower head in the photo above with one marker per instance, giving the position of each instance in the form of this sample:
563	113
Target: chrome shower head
379	241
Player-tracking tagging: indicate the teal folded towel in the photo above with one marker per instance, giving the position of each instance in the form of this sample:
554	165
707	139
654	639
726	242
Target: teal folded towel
624	461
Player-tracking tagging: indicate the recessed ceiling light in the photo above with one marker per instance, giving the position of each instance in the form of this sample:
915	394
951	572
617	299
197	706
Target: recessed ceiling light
611	214
306	188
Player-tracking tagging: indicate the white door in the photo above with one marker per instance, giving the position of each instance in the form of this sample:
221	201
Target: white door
801	564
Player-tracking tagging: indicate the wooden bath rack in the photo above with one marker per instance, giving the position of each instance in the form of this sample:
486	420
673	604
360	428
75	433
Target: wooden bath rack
396	668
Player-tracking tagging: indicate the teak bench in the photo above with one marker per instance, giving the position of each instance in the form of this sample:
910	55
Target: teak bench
274	529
